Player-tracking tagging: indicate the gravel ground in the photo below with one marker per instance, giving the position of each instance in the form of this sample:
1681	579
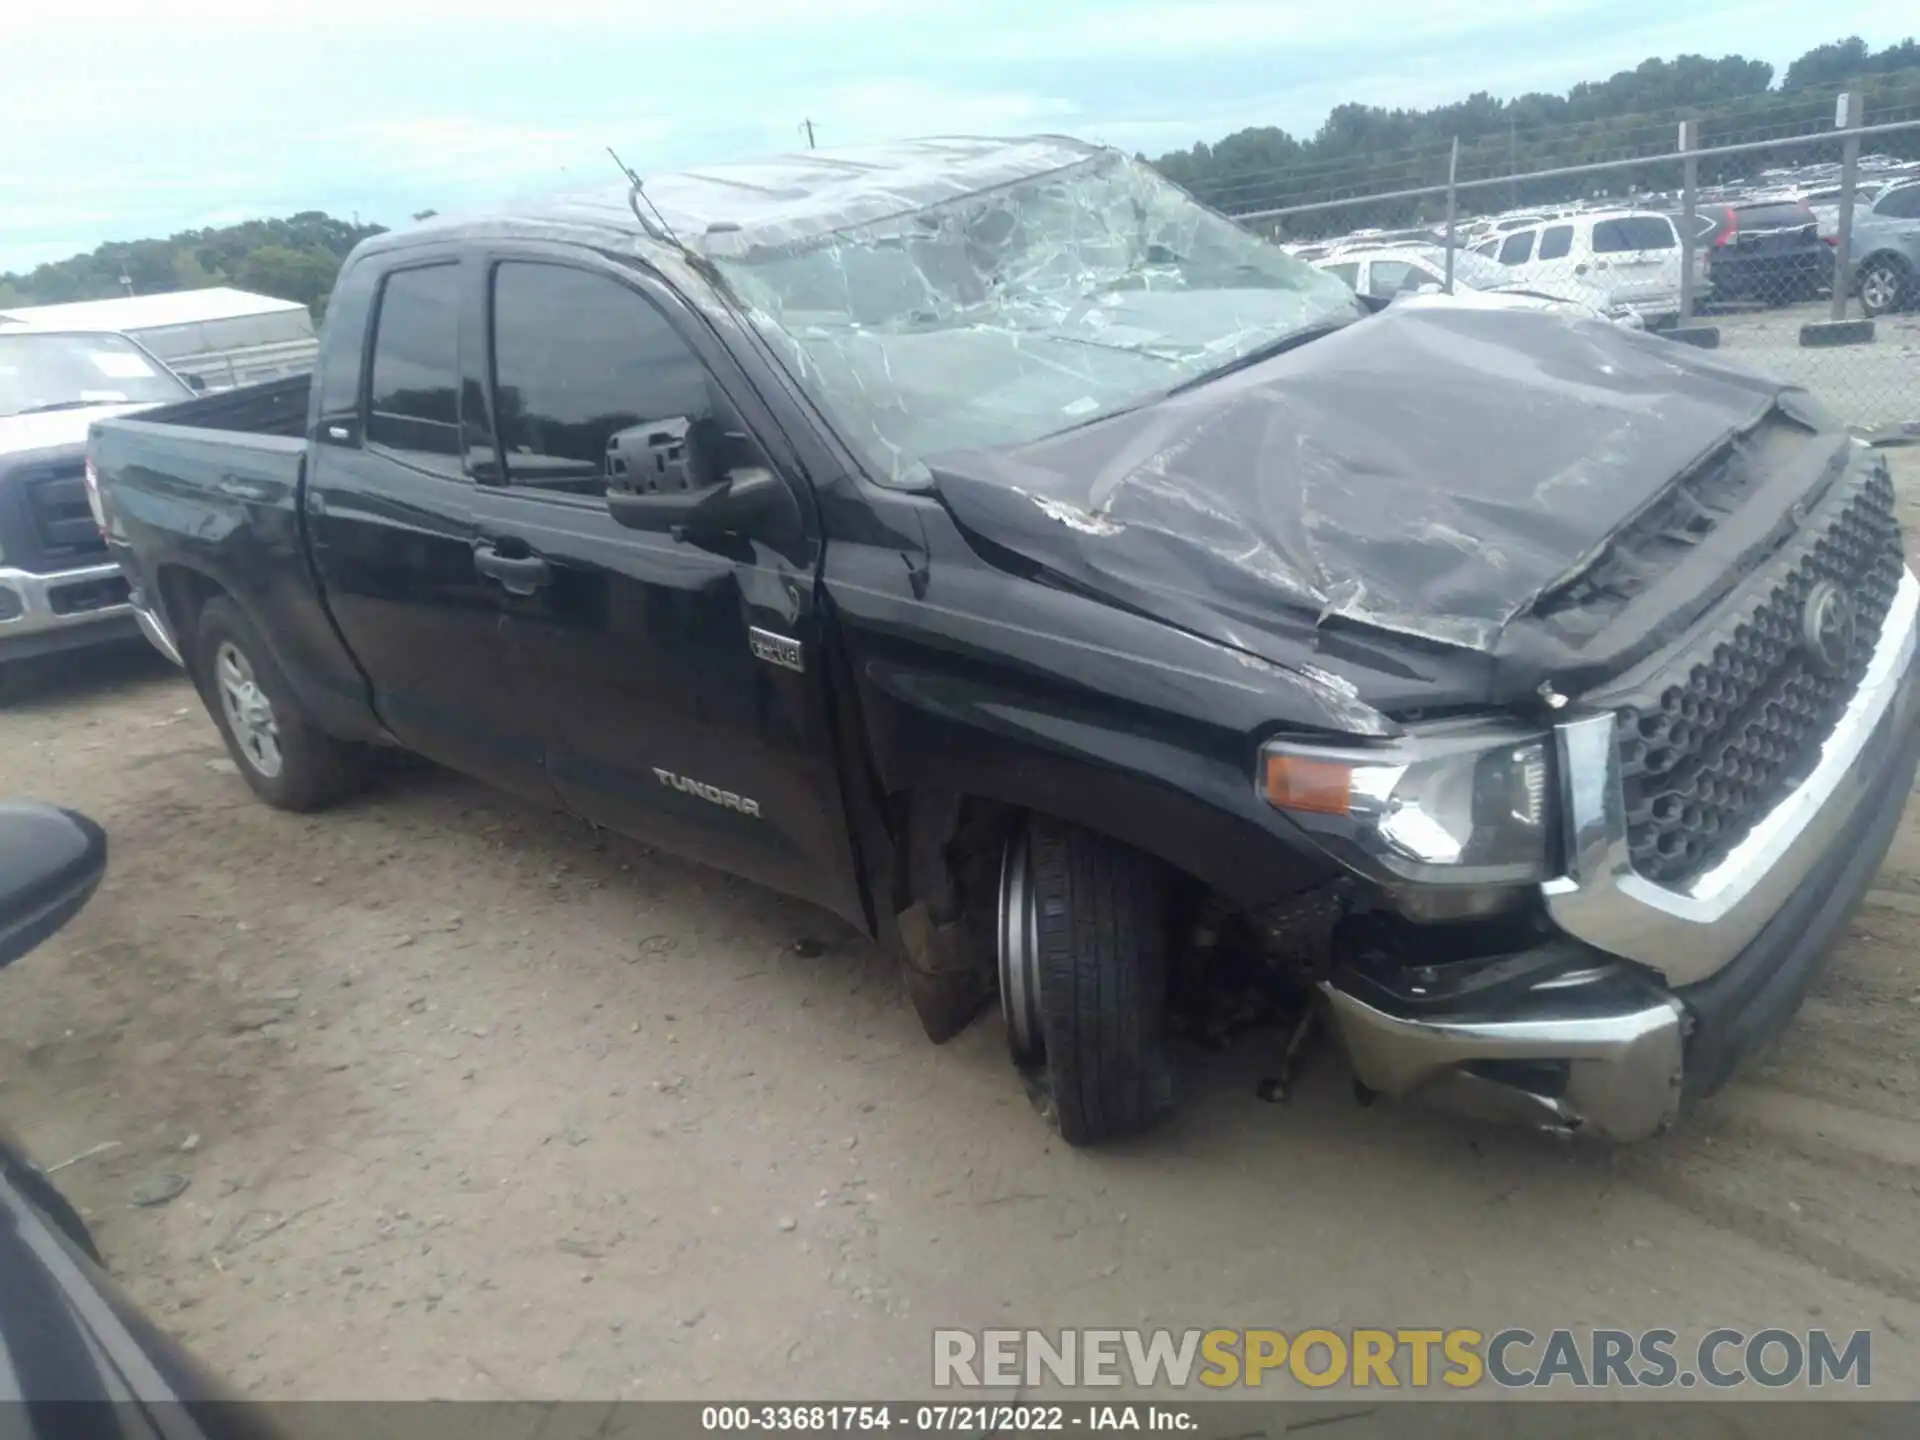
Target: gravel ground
1872	387
472	1102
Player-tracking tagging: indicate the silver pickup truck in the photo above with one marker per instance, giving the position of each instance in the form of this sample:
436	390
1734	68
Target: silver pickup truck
59	589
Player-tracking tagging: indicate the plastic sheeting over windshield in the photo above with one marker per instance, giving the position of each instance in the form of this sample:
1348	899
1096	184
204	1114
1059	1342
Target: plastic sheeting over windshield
1017	310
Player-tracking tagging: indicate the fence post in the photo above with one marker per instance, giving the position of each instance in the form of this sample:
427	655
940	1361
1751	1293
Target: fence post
1689	209
1453	173
1846	116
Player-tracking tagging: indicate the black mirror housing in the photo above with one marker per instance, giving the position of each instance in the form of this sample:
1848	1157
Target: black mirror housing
741	502
50	861
196	383
662	457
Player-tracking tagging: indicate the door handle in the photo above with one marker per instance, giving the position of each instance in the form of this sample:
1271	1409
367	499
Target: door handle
517	574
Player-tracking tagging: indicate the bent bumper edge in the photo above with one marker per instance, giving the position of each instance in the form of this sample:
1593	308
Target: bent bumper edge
1622	1067
155	629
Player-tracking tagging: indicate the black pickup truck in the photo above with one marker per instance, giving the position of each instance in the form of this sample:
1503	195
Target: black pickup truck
991	544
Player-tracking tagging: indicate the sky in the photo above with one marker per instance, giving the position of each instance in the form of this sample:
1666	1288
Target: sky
124	119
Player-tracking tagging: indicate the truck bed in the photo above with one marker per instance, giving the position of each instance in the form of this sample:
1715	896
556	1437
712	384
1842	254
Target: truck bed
205	497
277	407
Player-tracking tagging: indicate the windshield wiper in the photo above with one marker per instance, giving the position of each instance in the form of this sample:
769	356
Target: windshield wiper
61	405
1260	353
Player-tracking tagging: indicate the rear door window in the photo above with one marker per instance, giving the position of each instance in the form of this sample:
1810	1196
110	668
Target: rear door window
1347	270
412	404
1774	217
1517	248
1556	242
1899	204
1633	232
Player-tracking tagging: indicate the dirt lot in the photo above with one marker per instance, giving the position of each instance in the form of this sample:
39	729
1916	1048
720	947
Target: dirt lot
474	1103
1875	388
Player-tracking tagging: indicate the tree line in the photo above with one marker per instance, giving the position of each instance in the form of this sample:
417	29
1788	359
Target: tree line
1359	150
296	258
1368	149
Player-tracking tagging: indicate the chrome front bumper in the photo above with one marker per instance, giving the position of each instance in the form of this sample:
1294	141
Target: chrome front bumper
1622	1062
29	610
1623	1066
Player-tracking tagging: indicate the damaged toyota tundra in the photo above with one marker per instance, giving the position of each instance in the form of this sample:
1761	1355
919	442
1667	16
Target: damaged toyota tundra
987	542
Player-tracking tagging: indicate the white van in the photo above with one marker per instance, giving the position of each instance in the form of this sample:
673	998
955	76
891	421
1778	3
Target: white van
1633	255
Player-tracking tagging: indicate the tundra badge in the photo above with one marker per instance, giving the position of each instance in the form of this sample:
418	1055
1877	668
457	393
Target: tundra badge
782	650
712	794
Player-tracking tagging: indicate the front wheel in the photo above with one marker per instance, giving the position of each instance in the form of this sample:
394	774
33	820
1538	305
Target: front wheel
1883	285
287	759
1084	941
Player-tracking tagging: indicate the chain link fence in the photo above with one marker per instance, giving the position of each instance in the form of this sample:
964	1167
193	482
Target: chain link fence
1795	253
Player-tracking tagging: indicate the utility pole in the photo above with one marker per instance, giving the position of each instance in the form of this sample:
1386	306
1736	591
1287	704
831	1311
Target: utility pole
1513	163
1846	118
1453	174
1689	208
807	125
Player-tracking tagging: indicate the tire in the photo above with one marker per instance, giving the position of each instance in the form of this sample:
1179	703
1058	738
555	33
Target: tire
1084	948
288	760
1883	286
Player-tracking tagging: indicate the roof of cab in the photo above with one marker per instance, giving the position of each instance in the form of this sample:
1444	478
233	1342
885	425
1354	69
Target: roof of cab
731	209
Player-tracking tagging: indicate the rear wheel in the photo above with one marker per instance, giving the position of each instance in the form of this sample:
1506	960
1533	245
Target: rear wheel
288	760
1083	955
1883	287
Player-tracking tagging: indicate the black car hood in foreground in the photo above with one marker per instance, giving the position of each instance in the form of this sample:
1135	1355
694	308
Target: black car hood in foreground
1424	472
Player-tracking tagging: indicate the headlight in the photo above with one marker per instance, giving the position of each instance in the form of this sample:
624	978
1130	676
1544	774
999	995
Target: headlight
1456	805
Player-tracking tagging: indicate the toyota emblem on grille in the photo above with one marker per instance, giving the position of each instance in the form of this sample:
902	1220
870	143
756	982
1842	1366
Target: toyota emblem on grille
1826	628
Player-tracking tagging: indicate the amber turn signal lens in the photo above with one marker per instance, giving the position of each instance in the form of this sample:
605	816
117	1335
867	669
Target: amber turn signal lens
1323	787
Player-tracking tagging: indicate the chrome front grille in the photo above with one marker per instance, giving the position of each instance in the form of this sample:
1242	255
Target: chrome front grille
1701	761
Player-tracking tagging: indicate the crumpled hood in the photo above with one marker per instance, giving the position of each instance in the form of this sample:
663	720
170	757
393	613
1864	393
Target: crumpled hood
55	427
1428	471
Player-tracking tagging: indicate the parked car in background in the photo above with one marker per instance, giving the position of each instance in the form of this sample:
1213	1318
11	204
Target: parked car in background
1055	600
1825	205
59	589
224	337
1633	256
1886	247
1763	250
1385	273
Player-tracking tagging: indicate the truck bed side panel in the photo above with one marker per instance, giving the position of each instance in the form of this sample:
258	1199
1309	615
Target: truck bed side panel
275	407
226	507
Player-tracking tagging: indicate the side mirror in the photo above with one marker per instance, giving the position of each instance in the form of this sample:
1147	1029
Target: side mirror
50	862
747	499
661	457
196	383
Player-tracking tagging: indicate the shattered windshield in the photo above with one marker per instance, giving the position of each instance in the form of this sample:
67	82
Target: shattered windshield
1023	310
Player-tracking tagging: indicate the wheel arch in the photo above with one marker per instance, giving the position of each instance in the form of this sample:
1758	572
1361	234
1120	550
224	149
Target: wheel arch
971	797
319	669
